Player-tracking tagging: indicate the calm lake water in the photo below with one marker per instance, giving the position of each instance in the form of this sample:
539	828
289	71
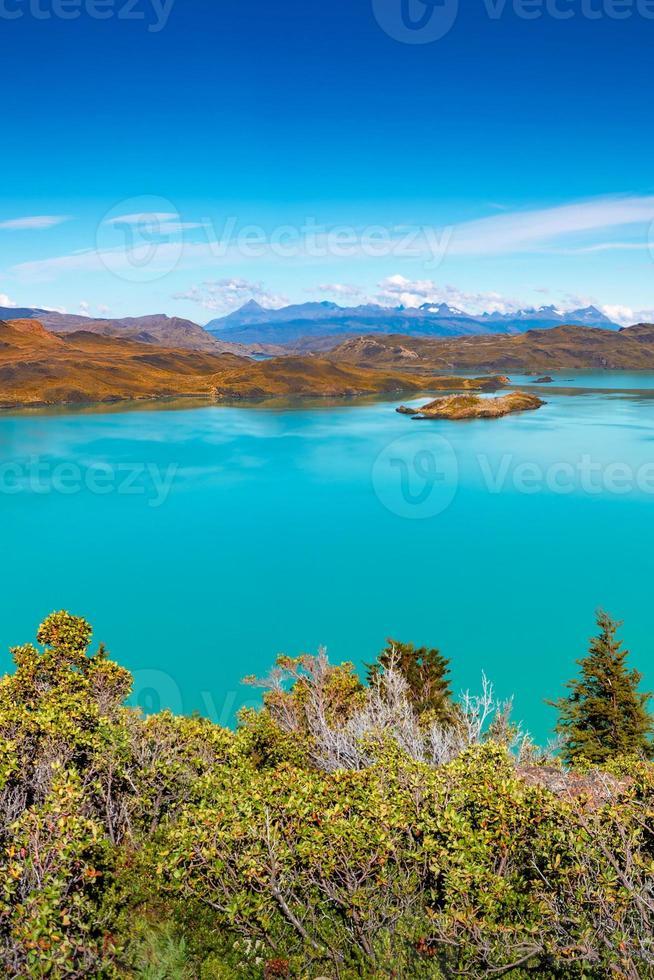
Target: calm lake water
203	542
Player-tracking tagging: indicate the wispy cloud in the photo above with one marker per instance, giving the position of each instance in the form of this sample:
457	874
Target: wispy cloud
623	223
165	255
625	316
397	290
223	295
49	269
34	222
343	291
147	217
525	230
606	247
153	223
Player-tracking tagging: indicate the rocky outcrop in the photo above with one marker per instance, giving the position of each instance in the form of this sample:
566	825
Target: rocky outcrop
474	407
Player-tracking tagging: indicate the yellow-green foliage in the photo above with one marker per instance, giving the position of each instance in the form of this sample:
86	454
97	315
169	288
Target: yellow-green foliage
167	847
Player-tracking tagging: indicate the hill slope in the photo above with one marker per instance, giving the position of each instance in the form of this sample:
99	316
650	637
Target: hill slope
558	348
39	368
157	329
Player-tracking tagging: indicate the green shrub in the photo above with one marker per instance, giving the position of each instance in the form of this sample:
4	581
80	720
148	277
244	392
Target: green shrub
342	830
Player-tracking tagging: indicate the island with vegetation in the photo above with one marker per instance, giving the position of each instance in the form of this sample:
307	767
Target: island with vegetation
349	828
474	407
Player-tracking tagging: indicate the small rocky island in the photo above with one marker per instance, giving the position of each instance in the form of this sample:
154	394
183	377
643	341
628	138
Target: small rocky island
474	407
546	380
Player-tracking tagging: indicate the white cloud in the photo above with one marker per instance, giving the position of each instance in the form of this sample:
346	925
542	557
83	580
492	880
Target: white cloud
619	314
399	291
153	223
5	301
626	317
223	295
99	260
142	253
36	222
524	230
342	290
146	217
85	309
546	230
607	247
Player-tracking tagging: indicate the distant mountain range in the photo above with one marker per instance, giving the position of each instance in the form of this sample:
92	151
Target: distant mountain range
39	367
253	323
307	327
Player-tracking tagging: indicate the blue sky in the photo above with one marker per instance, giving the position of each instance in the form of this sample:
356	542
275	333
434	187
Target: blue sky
181	156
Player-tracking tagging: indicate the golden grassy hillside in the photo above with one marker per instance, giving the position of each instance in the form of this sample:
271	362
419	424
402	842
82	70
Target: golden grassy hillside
554	349
40	368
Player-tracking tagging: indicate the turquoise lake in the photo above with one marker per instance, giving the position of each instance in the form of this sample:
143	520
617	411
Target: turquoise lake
203	542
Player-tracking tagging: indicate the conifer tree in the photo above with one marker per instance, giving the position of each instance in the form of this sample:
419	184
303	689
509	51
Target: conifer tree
605	715
426	671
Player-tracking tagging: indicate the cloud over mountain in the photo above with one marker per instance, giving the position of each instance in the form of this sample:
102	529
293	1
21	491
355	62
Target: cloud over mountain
222	295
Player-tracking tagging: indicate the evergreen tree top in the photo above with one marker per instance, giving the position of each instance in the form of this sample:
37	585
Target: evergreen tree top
605	714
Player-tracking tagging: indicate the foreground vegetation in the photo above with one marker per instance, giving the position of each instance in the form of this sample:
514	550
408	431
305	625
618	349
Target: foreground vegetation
345	829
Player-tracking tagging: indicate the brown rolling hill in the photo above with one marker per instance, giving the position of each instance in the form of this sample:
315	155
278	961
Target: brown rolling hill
537	351
40	368
158	329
